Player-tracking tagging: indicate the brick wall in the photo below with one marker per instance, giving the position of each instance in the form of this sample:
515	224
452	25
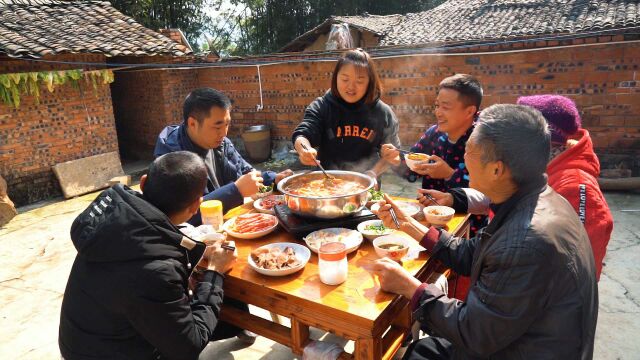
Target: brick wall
600	78
66	125
144	102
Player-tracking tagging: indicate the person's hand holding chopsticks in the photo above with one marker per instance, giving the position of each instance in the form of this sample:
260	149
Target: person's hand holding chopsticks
388	209
219	256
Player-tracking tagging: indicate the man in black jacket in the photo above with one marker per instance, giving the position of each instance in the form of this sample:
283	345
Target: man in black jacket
127	296
533	288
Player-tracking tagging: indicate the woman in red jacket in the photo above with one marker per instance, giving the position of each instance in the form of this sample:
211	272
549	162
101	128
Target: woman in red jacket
574	168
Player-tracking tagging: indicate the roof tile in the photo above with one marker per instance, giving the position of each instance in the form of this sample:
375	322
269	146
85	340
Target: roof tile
39	27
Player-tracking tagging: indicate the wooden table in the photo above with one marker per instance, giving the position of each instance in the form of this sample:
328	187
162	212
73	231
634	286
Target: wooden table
356	309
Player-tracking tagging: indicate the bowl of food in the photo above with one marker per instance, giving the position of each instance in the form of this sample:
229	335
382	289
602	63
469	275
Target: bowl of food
267	203
407	207
279	259
250	226
316	196
438	215
350	238
413	159
372	229
395	247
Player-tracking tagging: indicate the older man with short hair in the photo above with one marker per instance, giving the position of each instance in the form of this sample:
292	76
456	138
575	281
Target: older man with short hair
533	289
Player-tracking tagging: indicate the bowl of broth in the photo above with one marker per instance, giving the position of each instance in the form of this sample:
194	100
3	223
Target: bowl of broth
394	247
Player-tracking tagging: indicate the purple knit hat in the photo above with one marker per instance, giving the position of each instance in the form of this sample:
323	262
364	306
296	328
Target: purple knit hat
559	111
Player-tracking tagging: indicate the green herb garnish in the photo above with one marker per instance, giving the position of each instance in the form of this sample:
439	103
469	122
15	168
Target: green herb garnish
378	229
265	189
376	194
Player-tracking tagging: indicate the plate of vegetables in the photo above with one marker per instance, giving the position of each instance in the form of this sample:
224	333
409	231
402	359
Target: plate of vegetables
372	229
250	226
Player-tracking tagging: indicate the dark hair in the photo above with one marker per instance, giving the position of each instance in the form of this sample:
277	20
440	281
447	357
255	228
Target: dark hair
175	181
199	102
360	59
516	135
467	86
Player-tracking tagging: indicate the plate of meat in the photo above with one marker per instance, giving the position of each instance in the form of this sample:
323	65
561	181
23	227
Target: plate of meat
279	259
250	226
266	204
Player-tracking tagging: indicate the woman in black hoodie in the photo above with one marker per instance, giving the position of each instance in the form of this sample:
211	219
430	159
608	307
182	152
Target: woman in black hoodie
349	123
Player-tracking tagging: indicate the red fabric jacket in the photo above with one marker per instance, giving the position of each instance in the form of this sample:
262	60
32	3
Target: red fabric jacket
573	174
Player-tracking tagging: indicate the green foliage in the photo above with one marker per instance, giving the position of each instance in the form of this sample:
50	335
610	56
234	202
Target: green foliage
247	27
274	23
190	16
16	84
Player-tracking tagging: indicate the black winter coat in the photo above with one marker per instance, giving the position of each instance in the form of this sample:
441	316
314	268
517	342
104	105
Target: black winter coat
127	297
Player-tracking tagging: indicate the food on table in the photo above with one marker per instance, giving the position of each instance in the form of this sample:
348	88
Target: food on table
322	188
270	201
418	156
376	195
438	214
377	228
265	189
274	258
250	223
348	237
408	208
391	246
435	211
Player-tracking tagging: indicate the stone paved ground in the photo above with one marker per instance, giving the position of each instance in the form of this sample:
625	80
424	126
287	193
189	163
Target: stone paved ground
36	255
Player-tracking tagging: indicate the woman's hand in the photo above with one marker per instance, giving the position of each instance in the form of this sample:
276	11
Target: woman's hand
307	156
390	154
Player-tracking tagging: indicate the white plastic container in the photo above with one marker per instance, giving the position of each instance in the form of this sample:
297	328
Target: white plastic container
332	263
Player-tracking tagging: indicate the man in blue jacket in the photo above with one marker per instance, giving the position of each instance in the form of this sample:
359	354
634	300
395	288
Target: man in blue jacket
206	114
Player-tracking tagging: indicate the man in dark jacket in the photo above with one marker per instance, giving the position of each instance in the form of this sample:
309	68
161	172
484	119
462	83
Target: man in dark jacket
206	114
127	295
533	290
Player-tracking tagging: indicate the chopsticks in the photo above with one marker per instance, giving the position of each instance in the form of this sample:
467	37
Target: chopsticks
395	218
431	198
228	247
318	163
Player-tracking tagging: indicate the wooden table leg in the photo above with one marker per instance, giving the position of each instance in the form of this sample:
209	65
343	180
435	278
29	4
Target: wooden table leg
299	336
368	349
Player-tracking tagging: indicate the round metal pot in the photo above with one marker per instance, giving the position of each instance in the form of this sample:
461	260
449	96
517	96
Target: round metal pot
329	207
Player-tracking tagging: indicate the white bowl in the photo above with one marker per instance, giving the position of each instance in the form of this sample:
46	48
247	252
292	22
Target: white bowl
396	255
251	235
258	204
443	216
412	163
351	238
302	253
408	208
370	234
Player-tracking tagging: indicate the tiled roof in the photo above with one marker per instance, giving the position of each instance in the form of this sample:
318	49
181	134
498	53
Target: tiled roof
466	20
34	28
377	24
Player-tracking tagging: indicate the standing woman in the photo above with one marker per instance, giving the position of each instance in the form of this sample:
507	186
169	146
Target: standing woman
349	123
